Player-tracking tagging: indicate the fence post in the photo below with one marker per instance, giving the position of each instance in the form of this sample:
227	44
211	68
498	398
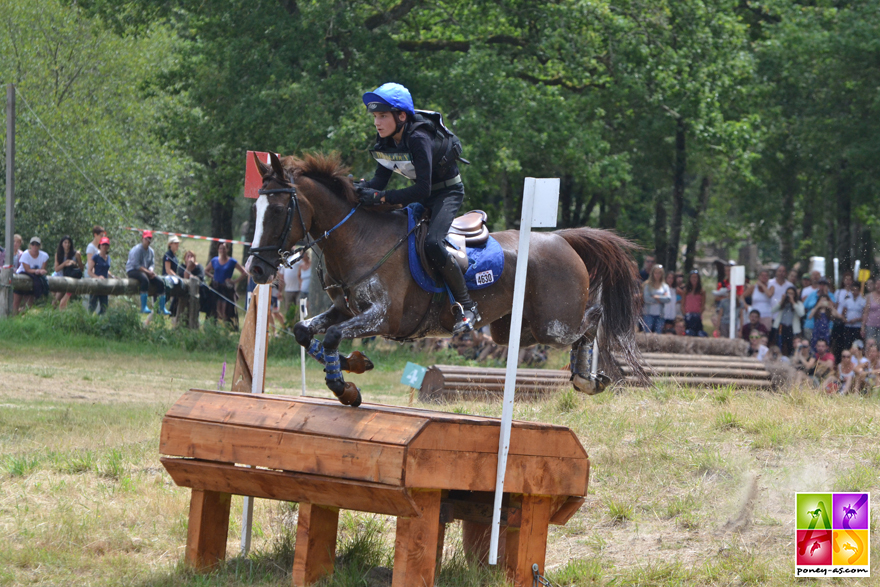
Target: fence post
193	301
6	292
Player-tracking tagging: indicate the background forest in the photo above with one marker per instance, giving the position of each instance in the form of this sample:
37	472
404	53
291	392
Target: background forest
673	121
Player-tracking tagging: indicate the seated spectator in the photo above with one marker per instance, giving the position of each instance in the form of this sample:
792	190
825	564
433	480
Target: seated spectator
870	375
693	302
844	379
787	316
140	265
171	266
824	364
33	264
93	248
99	268
822	315
754	325
220	270
802	360
68	262
656	295
679	328
14	257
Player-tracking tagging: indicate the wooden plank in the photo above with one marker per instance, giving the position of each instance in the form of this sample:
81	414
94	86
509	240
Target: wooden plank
453	436
717	381
288	451
208	529
356	495
244	362
416	541
688	370
651	355
323	418
565	512
527	545
315	551
474	471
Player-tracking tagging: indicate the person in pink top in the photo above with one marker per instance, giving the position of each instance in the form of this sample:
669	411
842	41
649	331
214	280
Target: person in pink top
871	315
693	300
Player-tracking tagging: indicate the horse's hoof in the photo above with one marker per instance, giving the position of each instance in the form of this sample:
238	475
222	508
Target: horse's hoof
589	385
357	362
351	395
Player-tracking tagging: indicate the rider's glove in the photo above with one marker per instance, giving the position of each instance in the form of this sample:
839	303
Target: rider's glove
370	196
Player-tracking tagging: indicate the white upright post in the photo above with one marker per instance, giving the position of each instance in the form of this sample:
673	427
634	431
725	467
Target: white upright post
737	278
303	314
858	266
262	293
836	273
595	368
546	193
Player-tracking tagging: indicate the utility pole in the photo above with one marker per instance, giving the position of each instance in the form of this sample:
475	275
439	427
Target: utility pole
6	274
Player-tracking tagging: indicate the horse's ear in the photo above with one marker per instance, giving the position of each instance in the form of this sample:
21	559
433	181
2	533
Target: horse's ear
264	169
276	165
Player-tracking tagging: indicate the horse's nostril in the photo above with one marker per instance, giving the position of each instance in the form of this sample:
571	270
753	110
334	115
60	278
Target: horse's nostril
257	270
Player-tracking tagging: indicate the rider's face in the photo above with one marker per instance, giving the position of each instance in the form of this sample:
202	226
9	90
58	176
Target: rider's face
385	123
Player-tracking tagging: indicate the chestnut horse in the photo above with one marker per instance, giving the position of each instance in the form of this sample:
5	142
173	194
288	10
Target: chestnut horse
578	279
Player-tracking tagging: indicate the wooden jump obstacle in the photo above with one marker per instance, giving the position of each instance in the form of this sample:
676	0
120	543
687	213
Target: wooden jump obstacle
444	383
426	468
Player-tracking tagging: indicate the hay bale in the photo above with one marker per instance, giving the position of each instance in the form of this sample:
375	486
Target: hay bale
691	345
782	374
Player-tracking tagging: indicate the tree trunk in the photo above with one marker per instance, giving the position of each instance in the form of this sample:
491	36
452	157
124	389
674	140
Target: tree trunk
660	242
787	224
677	195
844	219
696	225
610	210
221	223
807	229
565	199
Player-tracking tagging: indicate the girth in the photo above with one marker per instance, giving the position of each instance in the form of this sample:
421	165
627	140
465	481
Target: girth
468	230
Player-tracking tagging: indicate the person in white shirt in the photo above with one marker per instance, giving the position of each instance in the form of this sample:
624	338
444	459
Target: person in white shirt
290	276
853	308
760	294
776	291
815	276
32	263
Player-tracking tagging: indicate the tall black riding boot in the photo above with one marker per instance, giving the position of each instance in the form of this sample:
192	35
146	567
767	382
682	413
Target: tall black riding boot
465	310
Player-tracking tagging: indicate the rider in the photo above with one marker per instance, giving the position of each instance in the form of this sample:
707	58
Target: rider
410	143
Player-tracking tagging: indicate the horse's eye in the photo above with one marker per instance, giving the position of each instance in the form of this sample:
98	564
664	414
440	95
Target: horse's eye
277	209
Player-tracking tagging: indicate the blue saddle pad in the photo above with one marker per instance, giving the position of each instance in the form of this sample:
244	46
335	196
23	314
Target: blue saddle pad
485	263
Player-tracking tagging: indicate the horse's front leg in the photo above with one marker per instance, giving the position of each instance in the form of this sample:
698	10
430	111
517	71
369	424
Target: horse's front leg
369	323
305	332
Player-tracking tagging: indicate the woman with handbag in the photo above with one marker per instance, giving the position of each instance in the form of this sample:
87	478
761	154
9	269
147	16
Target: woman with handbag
68	262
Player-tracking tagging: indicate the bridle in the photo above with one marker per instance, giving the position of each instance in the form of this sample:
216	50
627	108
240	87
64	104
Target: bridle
288	258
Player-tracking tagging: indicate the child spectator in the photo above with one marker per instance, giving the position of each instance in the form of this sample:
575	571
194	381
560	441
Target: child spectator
692	304
68	262
656	294
33	264
141	259
99	268
679	328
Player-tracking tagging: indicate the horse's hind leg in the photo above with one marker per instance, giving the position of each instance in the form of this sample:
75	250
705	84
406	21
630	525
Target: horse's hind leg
367	324
582	378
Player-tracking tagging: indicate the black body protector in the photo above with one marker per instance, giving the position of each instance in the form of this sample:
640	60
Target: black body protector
428	154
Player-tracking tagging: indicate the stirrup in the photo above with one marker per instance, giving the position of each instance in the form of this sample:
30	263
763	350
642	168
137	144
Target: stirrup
466	320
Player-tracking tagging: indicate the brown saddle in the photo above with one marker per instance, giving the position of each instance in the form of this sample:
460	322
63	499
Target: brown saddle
468	230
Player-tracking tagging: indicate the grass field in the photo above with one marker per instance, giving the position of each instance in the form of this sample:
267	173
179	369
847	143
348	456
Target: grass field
688	486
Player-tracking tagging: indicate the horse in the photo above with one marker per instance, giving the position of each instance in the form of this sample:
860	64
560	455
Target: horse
580	282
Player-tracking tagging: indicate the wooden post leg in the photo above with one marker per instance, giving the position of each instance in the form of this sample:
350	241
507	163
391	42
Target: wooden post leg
416	543
315	550
208	528
476	539
527	544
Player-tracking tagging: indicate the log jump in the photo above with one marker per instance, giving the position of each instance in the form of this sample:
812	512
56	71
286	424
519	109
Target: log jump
426	468
96	287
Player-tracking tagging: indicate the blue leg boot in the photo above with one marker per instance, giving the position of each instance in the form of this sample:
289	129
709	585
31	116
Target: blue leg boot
162	309
144	308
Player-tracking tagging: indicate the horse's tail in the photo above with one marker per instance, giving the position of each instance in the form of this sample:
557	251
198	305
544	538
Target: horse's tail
614	285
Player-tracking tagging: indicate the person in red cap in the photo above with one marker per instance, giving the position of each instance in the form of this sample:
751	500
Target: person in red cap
141	260
99	268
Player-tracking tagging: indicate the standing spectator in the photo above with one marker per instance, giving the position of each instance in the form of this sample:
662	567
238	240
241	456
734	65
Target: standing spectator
33	264
68	262
853	310
838	328
656	294
646	268
721	320
171	266
673	308
794	279
291	290
761	292
822	314
305	275
192	268
140	266
754	325
871	316
99	268
808	289
221	270
693	302
778	286
810	303
787	316
276	319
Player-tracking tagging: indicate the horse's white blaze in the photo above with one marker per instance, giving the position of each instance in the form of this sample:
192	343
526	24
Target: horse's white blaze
262	206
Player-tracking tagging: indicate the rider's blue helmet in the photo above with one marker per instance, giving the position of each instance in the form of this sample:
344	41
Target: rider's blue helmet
389	97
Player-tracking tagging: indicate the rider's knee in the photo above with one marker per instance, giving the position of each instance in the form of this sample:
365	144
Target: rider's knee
435	251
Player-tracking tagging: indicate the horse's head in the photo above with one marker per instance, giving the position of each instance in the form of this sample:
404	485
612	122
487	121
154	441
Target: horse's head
281	220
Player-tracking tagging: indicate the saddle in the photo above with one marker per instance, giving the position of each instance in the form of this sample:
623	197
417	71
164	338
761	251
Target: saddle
468	230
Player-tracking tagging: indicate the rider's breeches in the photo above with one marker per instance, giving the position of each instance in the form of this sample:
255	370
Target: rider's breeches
443	213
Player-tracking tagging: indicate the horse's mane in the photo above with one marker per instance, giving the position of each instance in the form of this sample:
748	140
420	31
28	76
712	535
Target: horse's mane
327	169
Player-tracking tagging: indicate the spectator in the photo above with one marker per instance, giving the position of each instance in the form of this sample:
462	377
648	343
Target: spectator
33	264
808	289
787	321
656	294
871	369
679	328
220	270
171	266
761	292
844	380
853	309
673	308
646	268
824	361
693	303
192	268
14	257
802	360
754	325
68	262
778	286
838	328
722	288
823	313
140	265
291	290
871	316
721	320
99	268
794	278
810	303
274	307
305	275
94	247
